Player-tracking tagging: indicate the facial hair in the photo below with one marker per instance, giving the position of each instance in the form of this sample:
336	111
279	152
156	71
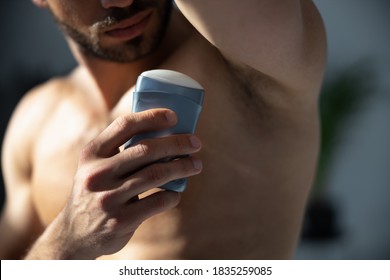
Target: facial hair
128	51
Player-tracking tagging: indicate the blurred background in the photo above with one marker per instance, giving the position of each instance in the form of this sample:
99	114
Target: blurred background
348	216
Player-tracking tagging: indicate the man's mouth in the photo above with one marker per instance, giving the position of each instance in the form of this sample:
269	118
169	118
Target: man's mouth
130	28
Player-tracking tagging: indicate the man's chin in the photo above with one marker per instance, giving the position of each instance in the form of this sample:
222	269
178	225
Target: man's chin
116	56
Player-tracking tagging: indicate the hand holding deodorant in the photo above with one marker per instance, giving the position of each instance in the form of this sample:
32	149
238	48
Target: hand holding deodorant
175	91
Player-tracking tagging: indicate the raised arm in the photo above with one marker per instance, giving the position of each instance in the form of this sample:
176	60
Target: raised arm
275	50
282	39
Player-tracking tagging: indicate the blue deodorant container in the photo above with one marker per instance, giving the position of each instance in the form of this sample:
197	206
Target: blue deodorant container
175	91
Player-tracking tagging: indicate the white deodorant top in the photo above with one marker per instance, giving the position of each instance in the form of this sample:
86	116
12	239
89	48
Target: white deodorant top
172	77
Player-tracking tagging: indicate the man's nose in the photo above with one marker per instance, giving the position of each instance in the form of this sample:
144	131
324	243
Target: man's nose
116	3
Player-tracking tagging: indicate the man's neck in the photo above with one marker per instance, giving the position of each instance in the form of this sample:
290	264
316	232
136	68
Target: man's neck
110	81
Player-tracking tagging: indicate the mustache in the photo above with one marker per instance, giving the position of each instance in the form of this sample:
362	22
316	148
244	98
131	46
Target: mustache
116	15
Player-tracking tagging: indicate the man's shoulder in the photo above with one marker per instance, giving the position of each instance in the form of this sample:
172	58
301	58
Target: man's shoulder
51	89
35	108
44	98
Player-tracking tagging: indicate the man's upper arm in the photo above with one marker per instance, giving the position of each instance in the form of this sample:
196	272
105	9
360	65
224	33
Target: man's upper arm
19	224
282	39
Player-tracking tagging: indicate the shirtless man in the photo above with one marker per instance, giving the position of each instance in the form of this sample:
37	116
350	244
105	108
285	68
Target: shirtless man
72	195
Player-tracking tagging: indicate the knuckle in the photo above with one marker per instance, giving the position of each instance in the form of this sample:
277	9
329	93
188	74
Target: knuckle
131	185
157	173
142	149
88	151
113	224
121	123
92	178
185	165
180	144
104	200
151	115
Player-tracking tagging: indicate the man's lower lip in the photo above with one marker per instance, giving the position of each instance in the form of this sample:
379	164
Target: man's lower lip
130	32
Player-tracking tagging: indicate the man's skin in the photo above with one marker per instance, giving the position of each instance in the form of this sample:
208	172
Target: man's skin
72	191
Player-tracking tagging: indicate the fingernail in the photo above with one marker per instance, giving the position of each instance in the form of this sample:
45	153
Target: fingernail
197	164
171	117
195	142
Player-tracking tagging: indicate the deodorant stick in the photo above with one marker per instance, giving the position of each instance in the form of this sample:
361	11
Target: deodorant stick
175	91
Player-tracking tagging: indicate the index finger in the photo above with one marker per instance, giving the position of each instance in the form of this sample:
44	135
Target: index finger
128	125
